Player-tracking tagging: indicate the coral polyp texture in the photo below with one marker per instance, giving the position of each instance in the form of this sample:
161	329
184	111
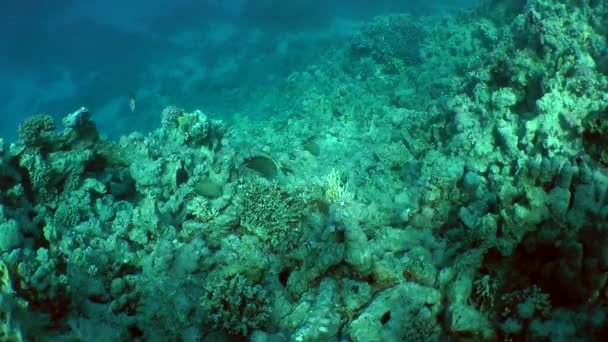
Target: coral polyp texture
434	179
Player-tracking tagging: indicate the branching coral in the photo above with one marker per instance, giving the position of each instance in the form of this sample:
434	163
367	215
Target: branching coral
236	305
273	214
37	131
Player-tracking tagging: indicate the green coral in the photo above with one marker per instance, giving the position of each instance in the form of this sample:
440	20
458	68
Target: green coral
236	305
271	213
37	131
200	208
66	216
40	175
393	154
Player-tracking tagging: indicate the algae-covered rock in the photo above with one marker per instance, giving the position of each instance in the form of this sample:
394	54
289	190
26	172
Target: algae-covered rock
390	314
10	236
322	321
192	128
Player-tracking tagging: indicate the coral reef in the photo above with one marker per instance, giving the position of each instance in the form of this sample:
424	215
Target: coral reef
438	178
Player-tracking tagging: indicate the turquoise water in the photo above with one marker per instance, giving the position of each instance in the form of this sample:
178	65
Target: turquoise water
318	171
62	55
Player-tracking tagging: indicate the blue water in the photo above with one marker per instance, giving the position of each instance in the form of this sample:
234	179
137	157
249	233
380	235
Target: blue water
60	55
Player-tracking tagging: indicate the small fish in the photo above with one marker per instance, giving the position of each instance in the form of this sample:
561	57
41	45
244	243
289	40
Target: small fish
132	102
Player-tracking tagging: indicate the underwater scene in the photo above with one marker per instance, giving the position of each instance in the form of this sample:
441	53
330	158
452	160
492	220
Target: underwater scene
273	171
